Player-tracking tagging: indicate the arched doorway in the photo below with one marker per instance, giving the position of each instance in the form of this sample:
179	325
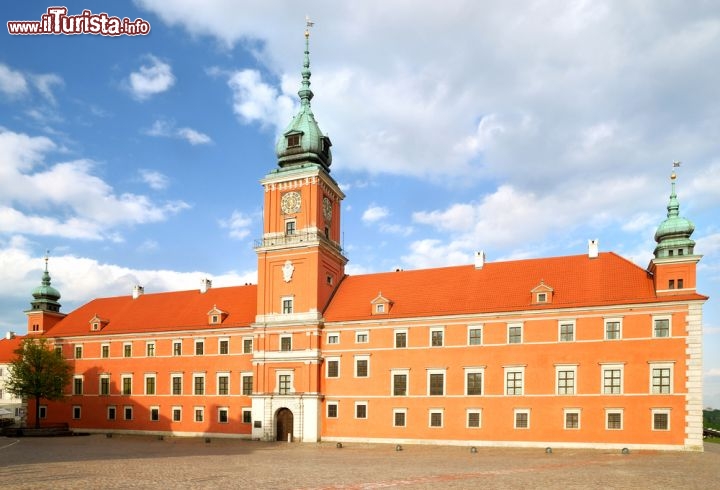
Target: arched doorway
284	424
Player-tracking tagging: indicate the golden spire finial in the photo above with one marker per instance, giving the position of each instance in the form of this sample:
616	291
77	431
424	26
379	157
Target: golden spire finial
676	164
308	25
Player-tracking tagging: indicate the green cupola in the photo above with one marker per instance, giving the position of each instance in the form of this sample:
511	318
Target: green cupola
302	143
673	234
45	297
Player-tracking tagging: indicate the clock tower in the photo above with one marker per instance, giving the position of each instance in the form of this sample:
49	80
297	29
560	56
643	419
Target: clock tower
300	264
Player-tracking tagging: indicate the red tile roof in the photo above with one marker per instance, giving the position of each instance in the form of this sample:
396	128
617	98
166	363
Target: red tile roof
577	281
7	348
158	312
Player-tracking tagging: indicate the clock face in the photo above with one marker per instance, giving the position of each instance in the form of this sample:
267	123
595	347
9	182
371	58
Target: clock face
290	202
327	209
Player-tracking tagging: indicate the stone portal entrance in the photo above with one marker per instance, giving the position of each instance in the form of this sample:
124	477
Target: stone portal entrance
284	424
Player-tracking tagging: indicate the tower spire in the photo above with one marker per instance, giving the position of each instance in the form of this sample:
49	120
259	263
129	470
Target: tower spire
305	93
673	234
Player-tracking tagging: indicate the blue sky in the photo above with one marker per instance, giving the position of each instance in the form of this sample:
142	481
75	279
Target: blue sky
457	126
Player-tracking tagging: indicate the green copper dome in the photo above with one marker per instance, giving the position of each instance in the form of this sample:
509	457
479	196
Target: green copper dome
673	234
45	296
302	142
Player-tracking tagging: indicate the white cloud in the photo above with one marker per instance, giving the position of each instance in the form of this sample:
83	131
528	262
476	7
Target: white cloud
256	101
12	83
151	79
375	213
44	84
154	179
238	224
167	129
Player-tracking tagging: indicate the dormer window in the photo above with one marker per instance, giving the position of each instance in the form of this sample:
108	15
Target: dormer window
380	305
216	316
293	140
542	293
97	323
380	308
542	297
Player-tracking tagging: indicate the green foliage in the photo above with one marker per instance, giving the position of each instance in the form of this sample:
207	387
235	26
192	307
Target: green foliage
711	419
38	372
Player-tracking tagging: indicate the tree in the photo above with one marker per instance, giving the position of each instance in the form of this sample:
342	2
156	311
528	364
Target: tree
38	371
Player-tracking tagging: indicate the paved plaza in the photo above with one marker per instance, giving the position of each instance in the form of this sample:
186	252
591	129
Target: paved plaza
147	462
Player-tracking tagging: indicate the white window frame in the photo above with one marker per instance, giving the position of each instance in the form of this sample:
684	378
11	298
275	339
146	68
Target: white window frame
195	376
285	372
514	369
518	325
195	347
252	345
77	348
246	410
609	411
77	412
148	345
334	403
359	404
282	337
362	333
172	384
661	365
659	411
473	411
172	413
107	412
227	415
400	372
100	383
291	300
357	358
328	360
174	343
572	411
123	377
82	384
521	411
243	376
561	324
152	376
617	320
440	411
395	334
102	347
125	412
219	375
220	341
125	346
474	370
662	317
471	328
612	367
201	410
151	408
437	371
398	411
441	331
42	411
332	338
566	367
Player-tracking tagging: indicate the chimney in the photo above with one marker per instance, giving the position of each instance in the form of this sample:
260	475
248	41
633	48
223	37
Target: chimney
9	335
138	291
479	259
205	285
593	248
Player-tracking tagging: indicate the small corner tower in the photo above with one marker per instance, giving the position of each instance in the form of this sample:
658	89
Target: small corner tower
44	310
675	261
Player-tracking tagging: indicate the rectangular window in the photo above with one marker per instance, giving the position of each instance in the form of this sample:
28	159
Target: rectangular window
223	384
333	368
247	384
154	414
223	346
177	347
247	346
290	227
522	419
150	384
150	349
177	384
671	284
128	413
177	414
361	337
104	384
78	352
612	380
436	337
76	412
572	419
474	382
514	381
436	418
565	376
332	410
400	383
287	306
199	347
680	284
360	410
126	385
286	343
474	335
127	350
43	411
199	414
78	385
613	419
567	332
474	418
223	416
105	351
660	420
661	327
333	338
613	329
362	367
436	383
399	417
514	334
199	384
661	379
247	415
401	339
111	412
284	384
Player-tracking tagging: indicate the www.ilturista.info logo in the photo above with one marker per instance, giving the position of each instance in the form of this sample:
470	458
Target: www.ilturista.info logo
57	21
